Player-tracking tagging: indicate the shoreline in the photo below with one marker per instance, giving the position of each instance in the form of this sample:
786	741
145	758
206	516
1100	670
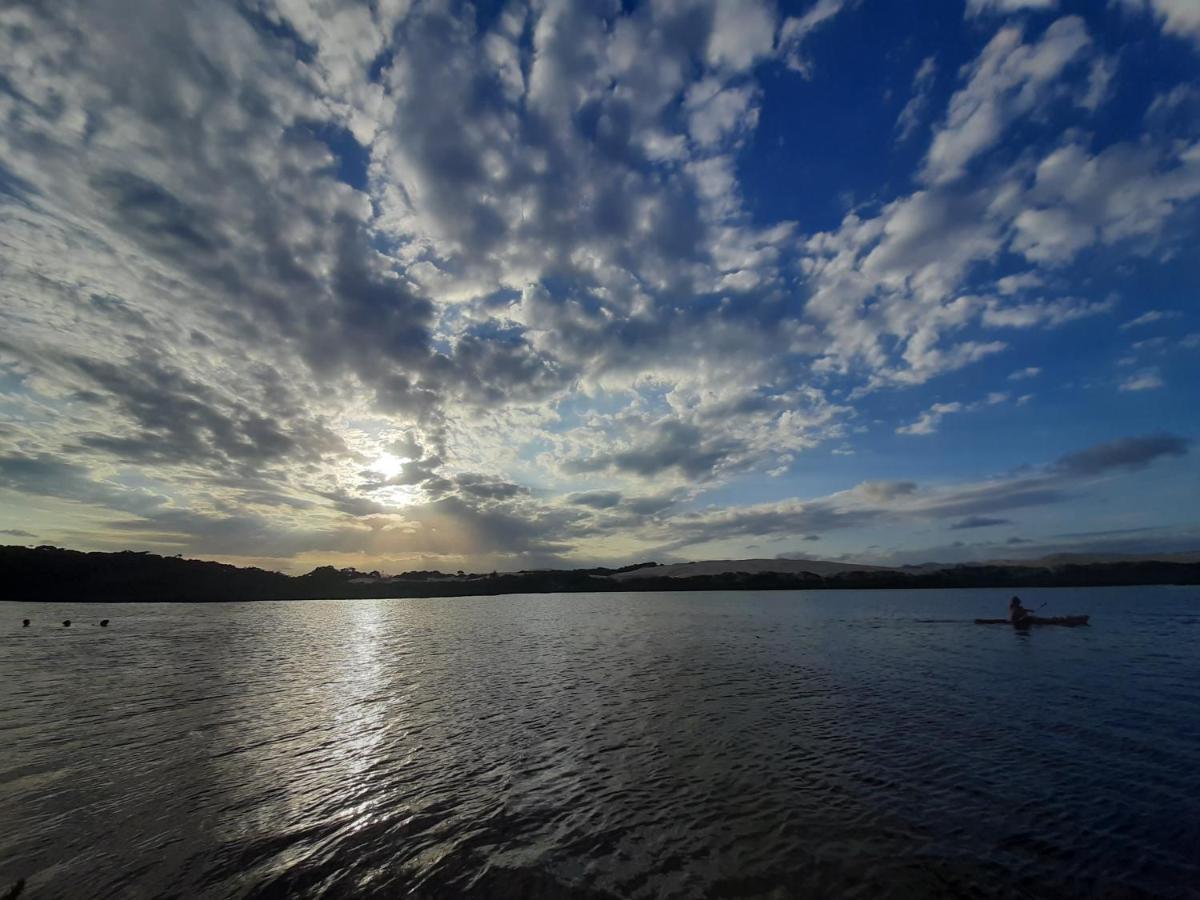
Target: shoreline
688	589
30	575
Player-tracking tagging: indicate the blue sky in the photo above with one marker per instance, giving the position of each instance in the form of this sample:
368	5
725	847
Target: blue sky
432	285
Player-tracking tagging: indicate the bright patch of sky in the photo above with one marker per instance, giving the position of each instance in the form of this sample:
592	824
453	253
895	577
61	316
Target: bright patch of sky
432	285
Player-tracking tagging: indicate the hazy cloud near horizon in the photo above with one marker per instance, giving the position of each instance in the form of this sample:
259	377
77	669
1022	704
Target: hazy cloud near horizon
428	284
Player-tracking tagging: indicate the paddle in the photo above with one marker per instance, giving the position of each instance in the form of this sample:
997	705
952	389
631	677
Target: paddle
1028	618
1035	612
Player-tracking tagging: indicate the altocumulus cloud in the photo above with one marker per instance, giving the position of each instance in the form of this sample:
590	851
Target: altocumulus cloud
421	281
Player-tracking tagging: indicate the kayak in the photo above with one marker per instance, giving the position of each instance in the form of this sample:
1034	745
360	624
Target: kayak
1069	621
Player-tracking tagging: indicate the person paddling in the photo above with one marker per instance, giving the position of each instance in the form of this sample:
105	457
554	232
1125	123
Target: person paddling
1018	614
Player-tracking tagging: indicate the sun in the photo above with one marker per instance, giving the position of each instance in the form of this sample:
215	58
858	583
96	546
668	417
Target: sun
389	465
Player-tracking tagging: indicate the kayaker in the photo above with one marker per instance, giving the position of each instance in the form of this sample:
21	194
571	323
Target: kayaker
1016	612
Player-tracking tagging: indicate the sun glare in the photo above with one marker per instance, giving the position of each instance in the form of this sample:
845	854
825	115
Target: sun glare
389	465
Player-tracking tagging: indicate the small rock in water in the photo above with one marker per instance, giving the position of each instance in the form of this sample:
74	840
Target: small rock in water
104	623
24	623
66	623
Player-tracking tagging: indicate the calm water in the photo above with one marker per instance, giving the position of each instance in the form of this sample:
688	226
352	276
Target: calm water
869	744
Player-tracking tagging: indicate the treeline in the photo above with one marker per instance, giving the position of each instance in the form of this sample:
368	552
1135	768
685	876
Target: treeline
54	574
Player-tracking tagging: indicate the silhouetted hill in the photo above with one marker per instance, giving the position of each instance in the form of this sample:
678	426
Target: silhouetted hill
54	574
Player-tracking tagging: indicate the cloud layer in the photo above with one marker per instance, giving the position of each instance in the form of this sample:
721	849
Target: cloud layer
310	280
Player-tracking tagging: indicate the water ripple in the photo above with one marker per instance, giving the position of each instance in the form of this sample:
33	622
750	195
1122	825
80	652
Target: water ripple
860	744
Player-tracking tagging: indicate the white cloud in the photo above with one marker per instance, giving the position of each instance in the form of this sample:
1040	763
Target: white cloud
1126	192
796	30
1178	17
892	291
894	502
1150	317
544	263
715	112
743	32
1177	99
1051	235
1026	373
1012	284
1009	79
1050	313
914	111
1100	80
981	7
928	421
898	275
1145	380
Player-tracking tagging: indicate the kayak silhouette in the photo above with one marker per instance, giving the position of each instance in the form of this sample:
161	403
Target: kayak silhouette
1070	621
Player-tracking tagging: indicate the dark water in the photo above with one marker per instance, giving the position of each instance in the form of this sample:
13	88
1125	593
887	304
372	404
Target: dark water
866	744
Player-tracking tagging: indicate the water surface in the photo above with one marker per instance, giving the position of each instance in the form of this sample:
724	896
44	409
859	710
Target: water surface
774	744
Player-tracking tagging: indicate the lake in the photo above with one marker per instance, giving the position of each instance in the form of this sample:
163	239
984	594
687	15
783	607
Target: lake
726	744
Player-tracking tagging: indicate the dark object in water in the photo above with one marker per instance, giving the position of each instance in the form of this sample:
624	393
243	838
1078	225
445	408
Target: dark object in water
15	891
1070	621
66	623
104	623
24	623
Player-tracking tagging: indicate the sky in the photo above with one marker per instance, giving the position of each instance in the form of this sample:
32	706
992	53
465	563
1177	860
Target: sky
405	285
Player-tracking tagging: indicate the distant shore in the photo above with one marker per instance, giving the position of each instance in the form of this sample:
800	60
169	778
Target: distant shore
52	574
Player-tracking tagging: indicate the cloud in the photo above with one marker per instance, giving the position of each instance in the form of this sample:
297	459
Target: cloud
1126	453
897	276
354	505
1178	17
928	421
1026	373
1126	192
596	499
883	491
978	522
743	31
1150	317
714	113
178	419
1180	101
988	498
17	532
893	293
914	111
388	279
1145	380
46	475
283	292
651	504
1014	284
783	518
670	444
982	7
484	487
796	31
1009	79
969	505
1050	313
